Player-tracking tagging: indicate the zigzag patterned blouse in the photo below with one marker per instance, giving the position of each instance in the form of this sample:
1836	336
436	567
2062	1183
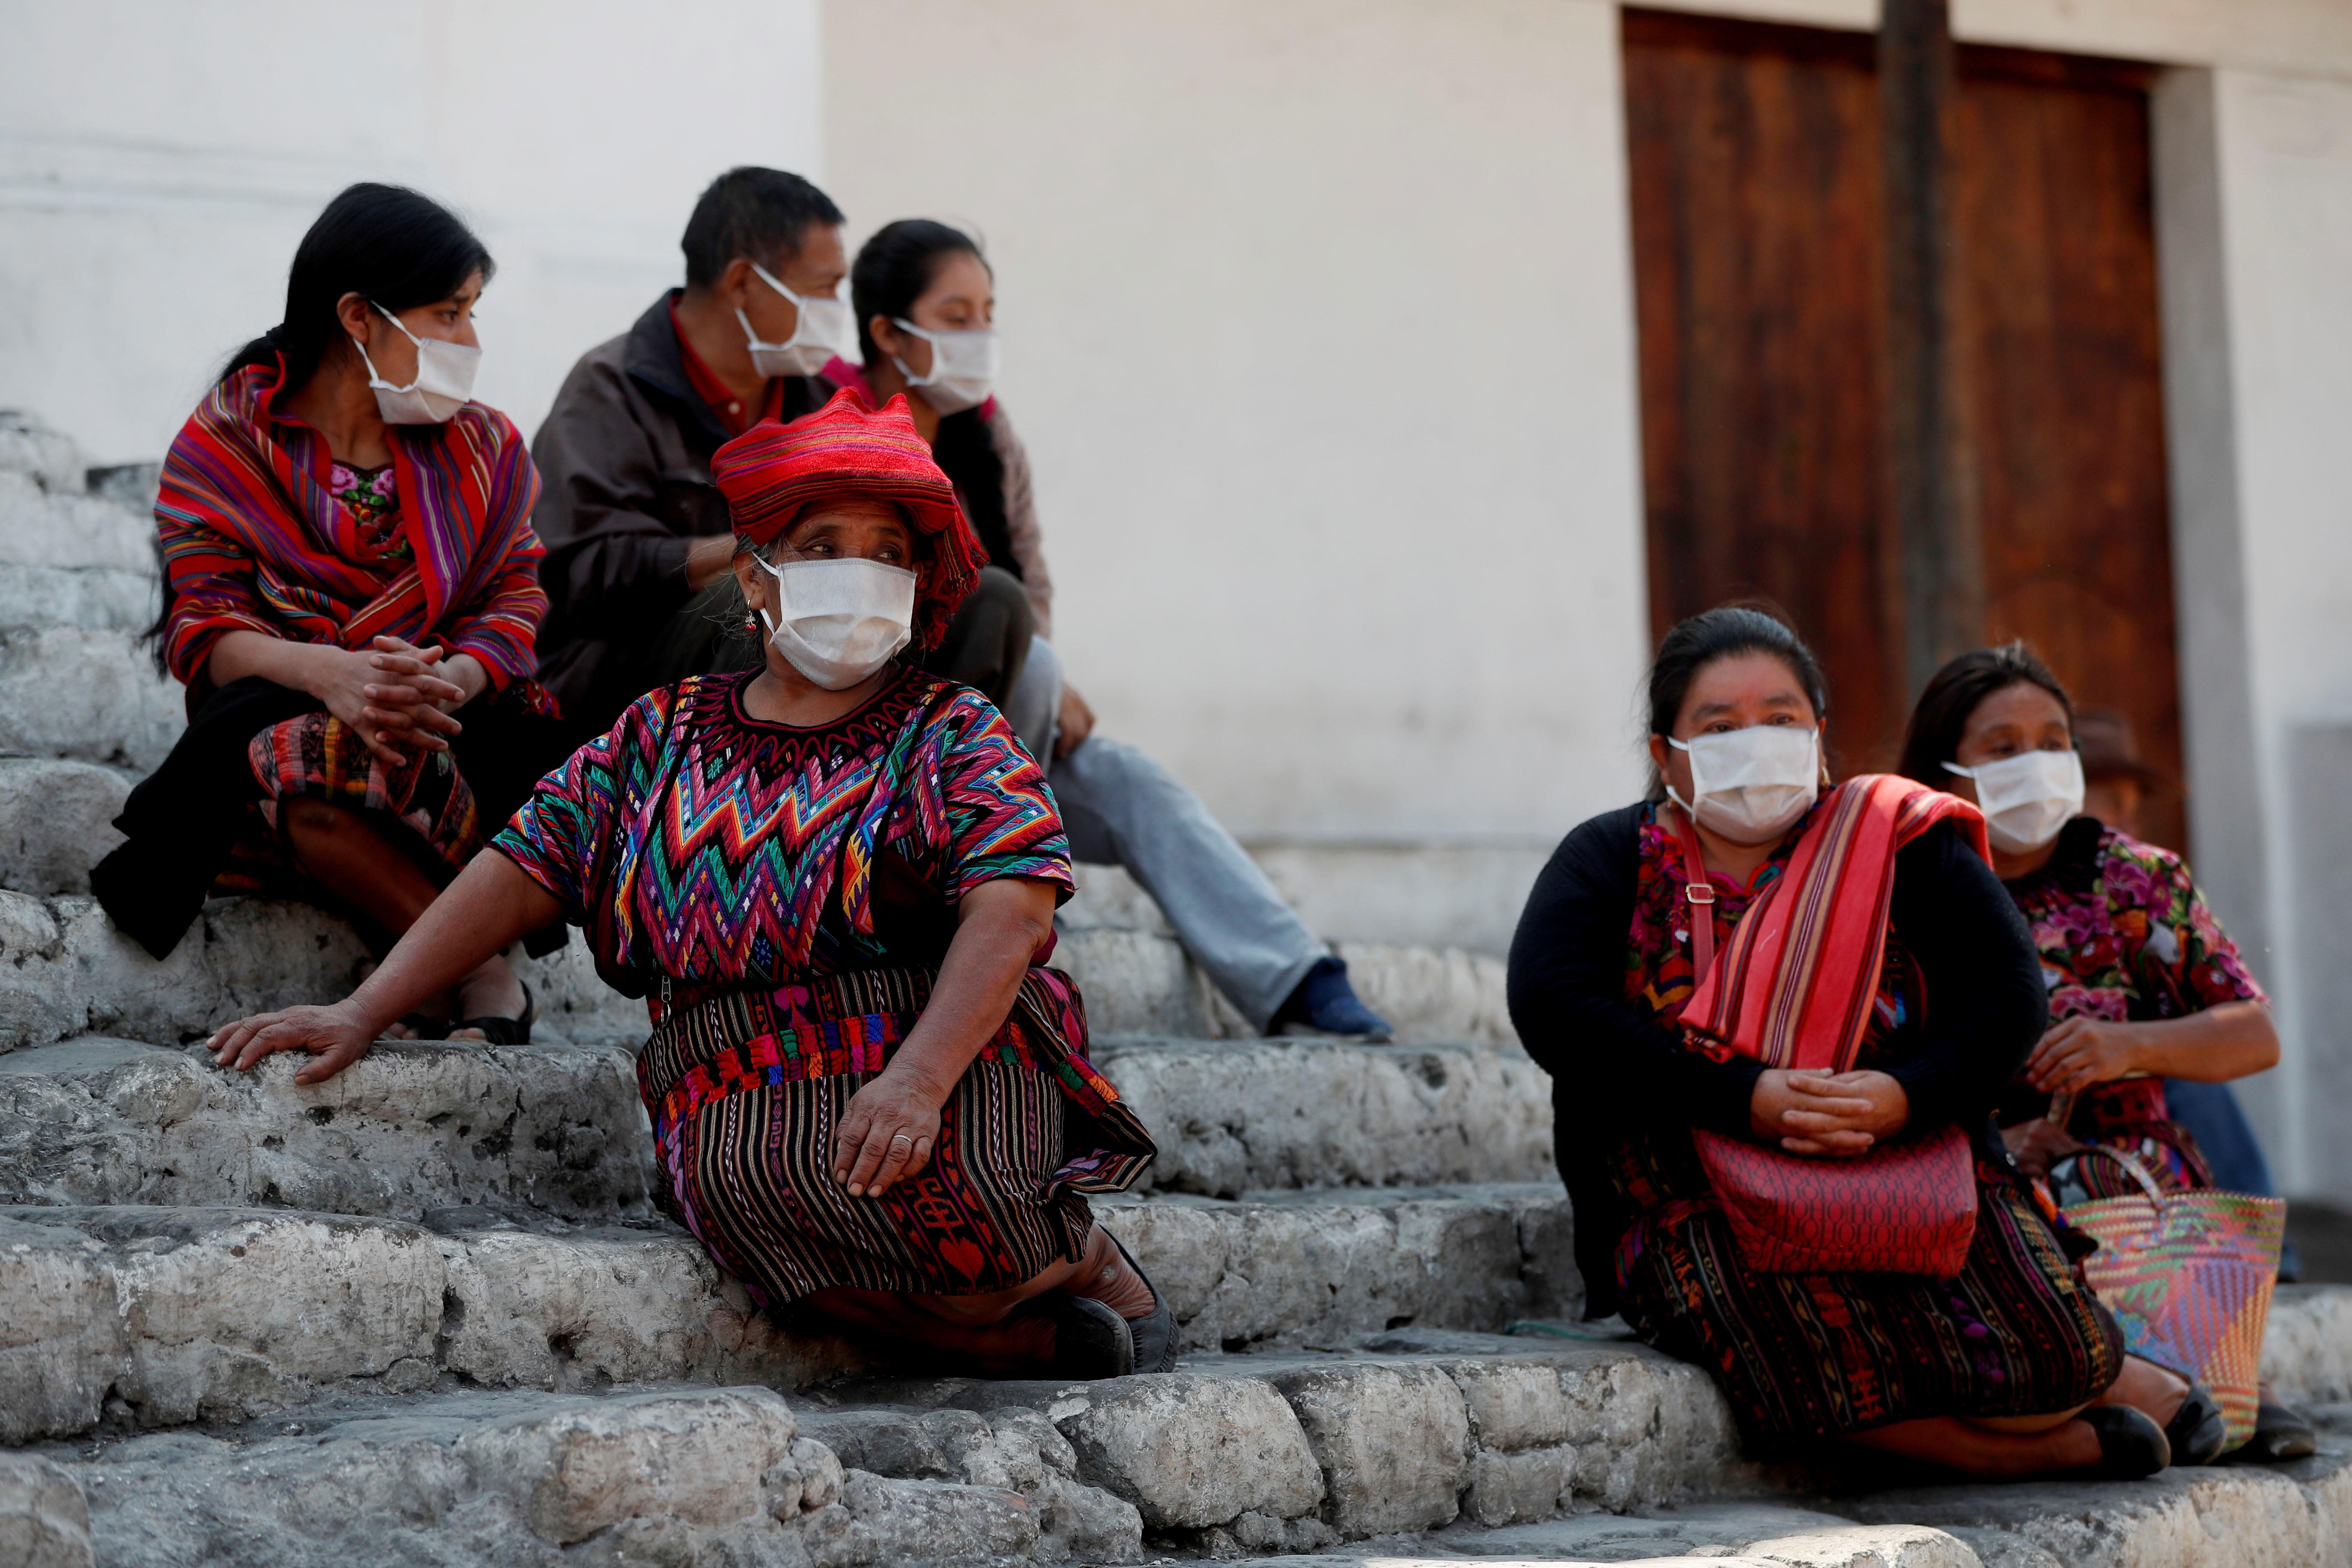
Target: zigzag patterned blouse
701	845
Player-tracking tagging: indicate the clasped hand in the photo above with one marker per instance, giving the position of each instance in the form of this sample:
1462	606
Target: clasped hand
887	1134
1837	1115
398	696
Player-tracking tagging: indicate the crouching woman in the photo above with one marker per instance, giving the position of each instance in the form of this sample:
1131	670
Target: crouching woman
834	879
1776	1021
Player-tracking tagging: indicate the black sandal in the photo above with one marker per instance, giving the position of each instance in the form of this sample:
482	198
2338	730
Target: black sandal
2281	1433
2132	1446
498	1031
2198	1430
1090	1341
1155	1331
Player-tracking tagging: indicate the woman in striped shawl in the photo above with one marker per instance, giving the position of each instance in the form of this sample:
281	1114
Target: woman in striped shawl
1743	985
352	595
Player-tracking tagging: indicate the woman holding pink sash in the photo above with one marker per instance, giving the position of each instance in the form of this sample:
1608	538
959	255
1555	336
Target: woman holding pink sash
1799	1005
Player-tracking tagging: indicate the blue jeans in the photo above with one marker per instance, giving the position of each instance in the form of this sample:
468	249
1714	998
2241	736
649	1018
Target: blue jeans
1122	809
2226	1139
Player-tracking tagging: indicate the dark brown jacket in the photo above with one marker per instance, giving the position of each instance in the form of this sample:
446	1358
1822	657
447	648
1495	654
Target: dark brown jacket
624	456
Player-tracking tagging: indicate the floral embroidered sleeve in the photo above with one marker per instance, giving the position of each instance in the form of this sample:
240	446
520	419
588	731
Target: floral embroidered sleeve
1002	819
567	834
2181	959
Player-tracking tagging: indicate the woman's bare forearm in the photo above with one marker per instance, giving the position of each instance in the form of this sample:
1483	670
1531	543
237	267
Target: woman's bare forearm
242	653
1001	926
2233	1040
491	906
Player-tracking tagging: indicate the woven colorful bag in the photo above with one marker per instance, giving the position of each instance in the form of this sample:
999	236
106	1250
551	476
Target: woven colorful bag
2189	1275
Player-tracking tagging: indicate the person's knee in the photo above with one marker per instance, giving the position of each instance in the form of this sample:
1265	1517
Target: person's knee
312	819
968	1311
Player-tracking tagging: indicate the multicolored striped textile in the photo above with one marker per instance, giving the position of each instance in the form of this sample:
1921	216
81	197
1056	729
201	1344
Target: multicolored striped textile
772	473
255	538
1794	986
705	847
1808	1356
746	1085
1805	1356
319	757
783	895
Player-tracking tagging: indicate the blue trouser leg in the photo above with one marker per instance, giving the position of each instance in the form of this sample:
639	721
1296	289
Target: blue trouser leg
2226	1139
1121	806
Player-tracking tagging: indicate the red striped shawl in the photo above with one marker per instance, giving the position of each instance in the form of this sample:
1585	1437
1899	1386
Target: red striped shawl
1794	986
254	539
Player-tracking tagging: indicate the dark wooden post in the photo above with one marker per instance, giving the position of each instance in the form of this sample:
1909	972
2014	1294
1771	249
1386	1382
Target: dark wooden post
1939	554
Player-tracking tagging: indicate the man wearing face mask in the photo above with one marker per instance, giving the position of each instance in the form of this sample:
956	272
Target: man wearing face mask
637	538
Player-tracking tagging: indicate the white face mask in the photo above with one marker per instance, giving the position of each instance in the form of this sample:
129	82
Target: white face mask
963	368
817	336
2026	799
444	383
839	621
1751	786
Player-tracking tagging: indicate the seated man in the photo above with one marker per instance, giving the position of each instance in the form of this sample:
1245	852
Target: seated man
637	540
925	300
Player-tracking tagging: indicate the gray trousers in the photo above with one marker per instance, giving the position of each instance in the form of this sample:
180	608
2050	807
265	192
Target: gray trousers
1123	808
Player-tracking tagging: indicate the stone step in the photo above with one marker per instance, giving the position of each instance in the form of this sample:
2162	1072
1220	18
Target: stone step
1403	1432
56	821
75	974
1749	1534
156	1315
556	1129
90	693
669	1475
51	518
96	598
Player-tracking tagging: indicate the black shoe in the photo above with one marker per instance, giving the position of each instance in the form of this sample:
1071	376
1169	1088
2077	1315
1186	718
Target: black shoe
1155	1332
2132	1446
1090	1341
2198	1430
2281	1433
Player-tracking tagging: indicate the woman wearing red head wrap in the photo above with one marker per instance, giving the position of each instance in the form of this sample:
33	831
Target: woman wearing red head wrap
834	880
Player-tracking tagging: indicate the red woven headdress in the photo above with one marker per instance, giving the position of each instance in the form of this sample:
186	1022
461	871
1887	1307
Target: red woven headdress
771	473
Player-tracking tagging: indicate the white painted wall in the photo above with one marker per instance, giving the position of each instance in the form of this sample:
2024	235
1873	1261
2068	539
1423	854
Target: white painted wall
158	165
2283	147
1318	323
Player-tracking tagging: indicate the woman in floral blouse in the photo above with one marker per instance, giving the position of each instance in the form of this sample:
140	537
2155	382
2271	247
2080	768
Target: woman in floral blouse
2144	983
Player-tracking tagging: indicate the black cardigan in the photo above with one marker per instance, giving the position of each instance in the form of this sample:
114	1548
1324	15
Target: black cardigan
1613	1065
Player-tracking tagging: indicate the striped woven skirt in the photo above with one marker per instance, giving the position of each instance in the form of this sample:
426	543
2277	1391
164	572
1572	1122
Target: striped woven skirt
746	1086
1809	1356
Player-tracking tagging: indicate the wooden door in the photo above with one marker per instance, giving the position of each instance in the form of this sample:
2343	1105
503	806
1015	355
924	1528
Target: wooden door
1760	292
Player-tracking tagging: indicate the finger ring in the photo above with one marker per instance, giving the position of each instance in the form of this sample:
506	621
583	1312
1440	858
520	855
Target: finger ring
902	1138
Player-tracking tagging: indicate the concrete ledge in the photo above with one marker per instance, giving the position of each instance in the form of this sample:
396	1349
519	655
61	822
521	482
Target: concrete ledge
87	693
662	1475
1323	1267
101	598
550	1129
56	821
135	1315
2284	1516
1298	1451
1232	1116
